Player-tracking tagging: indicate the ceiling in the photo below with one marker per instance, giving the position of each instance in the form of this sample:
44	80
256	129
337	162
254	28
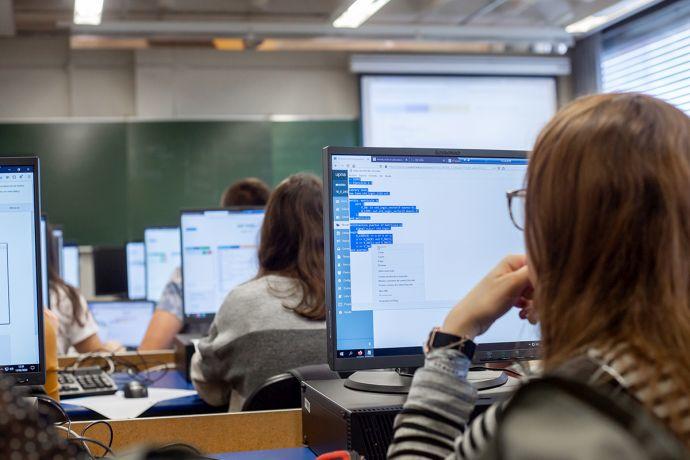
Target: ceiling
436	21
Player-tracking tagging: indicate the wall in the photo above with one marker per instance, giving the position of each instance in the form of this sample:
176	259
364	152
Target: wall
41	77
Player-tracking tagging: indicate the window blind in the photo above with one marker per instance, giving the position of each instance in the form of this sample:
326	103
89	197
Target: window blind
651	55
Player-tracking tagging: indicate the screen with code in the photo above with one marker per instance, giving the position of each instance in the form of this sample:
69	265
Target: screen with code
411	236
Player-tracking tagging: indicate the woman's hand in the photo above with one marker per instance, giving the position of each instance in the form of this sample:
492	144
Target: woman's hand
505	286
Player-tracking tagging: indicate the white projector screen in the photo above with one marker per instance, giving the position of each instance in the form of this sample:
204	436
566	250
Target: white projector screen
455	111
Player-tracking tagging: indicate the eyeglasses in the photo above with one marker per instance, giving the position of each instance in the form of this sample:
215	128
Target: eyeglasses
516	207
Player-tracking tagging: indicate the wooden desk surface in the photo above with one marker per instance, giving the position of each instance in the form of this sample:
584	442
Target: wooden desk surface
142	360
211	433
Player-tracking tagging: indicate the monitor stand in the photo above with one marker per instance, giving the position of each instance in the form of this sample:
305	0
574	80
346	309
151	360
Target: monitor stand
398	381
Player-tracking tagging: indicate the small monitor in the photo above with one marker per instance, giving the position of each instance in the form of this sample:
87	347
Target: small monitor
59	242
162	249
136	270
45	297
122	321
21	312
70	263
408	233
110	271
219	251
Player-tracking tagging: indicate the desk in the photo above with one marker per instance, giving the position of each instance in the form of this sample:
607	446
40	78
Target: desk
296	453
172	379
142	359
243	431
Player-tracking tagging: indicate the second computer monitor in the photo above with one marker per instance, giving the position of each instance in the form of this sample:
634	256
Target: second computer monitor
409	232
219	251
70	263
162	249
122	321
136	270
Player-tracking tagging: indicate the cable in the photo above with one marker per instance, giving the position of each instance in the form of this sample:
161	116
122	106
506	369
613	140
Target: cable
100	422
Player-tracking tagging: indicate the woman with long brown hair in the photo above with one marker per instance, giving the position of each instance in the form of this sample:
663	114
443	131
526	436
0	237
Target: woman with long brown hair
75	325
274	322
607	276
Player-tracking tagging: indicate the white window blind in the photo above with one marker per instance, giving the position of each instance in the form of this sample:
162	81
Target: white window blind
651	55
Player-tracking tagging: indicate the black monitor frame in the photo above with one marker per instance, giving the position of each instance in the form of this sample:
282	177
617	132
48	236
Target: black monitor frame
146	263
203	319
37	377
485	352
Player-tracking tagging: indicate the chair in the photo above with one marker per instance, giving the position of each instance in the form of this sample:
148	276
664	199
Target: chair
284	391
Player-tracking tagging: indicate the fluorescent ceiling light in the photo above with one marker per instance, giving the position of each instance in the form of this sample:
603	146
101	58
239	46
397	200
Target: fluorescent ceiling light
88	11
607	15
358	13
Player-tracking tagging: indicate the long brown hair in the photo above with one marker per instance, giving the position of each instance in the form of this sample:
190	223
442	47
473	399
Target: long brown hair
57	284
292	240
608	230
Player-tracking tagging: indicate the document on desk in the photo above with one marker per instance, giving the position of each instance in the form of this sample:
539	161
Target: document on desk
118	407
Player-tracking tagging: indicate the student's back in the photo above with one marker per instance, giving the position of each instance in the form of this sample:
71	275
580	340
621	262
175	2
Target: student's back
275	322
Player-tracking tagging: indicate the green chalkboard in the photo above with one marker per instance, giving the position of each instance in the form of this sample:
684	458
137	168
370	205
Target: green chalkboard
106	182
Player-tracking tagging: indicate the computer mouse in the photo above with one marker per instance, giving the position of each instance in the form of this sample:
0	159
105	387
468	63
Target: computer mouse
135	389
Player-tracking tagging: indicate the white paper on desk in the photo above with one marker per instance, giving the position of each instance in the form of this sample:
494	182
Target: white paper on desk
118	407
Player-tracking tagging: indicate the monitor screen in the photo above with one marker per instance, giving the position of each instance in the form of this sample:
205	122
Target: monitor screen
122	321
162	249
136	270
402	252
449	110
219	251
70	263
21	312
109	271
59	240
44	262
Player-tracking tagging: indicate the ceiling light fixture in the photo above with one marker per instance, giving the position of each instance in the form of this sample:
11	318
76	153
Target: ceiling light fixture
88	12
607	16
358	13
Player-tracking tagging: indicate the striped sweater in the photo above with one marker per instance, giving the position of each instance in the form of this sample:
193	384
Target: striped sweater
434	421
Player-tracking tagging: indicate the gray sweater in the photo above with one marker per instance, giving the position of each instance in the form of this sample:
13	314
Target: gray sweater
254	337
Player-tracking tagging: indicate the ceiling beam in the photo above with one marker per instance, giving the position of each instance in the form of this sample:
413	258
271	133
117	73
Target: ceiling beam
284	30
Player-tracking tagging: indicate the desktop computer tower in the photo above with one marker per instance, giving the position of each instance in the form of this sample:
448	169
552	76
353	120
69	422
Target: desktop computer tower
337	418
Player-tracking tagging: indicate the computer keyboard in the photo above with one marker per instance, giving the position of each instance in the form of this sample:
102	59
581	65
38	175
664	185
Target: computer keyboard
85	381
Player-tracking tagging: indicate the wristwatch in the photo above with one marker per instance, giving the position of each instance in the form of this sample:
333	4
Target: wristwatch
438	340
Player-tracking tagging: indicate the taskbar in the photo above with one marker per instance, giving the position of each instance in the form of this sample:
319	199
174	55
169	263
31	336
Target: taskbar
377	352
19	368
486	352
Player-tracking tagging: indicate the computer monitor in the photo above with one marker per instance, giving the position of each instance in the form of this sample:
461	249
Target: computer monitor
109	270
21	312
219	251
136	270
59	242
162	250
408	233
45	297
70	263
122	321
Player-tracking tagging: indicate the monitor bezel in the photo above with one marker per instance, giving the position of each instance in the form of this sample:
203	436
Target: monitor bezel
146	264
44	217
398	361
39	376
122	301
127	243
207	318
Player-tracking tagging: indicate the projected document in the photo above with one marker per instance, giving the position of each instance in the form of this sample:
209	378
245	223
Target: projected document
413	235
455	111
220	252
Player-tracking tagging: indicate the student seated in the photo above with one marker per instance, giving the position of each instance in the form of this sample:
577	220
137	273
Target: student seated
607	229
274	322
167	320
76	326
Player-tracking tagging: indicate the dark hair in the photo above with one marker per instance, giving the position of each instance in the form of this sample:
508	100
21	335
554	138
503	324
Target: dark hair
292	240
246	192
56	283
608	230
